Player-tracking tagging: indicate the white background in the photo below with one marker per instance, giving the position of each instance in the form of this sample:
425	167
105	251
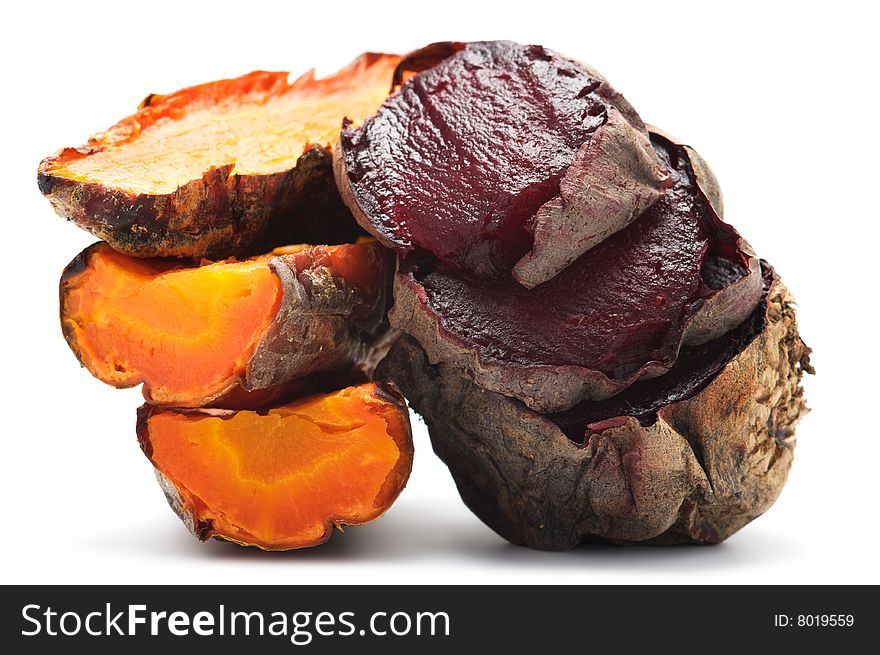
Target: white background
780	98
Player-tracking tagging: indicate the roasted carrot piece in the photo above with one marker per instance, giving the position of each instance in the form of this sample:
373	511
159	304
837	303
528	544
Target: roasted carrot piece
282	478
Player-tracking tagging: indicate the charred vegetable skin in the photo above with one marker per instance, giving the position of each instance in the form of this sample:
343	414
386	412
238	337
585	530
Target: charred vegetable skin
283	477
164	183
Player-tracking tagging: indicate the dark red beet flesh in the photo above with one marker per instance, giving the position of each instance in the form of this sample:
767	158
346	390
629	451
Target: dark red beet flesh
622	304
695	368
458	162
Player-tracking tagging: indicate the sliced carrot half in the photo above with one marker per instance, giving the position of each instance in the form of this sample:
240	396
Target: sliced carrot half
194	333
208	170
282	478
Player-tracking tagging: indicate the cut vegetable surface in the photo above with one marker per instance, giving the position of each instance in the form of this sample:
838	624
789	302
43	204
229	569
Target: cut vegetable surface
551	283
677	275
282	478
704	449
194	333
496	155
206	171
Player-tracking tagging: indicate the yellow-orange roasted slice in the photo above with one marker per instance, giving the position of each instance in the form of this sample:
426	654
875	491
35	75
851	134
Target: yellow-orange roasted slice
208	170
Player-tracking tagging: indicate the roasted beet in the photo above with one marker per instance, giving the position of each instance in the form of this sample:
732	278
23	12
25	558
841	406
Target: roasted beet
620	312
596	352
705	457
497	156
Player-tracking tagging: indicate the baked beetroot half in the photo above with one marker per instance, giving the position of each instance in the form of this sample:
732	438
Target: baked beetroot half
595	351
498	158
621	312
690	457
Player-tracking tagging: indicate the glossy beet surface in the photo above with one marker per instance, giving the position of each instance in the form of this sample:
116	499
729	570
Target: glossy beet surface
696	367
620	305
462	157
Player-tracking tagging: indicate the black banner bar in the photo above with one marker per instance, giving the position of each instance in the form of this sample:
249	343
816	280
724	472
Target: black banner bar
521	619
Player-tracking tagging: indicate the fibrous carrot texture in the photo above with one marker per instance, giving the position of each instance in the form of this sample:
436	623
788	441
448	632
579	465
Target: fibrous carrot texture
206	171
194	333
282	478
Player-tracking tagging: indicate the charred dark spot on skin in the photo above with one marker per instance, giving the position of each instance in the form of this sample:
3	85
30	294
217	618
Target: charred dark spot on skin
79	263
719	273
203	529
388	392
143	414
148	100
781	433
126	212
45	183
